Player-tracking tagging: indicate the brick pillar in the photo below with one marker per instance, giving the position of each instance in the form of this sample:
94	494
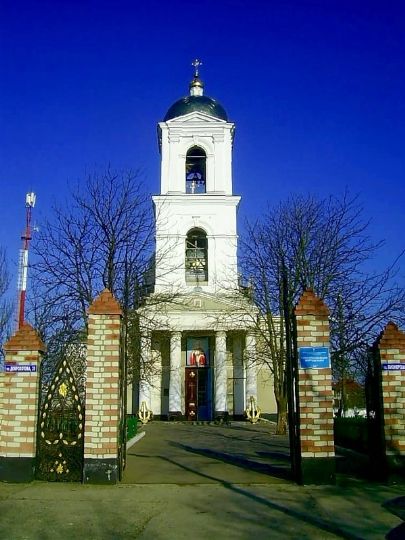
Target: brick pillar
315	391
391	346
103	397
19	398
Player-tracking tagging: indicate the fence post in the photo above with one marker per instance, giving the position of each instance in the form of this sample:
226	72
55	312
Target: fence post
19	399
103	398
391	349
315	391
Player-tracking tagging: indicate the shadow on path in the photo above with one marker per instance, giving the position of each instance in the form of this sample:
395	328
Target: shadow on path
237	453
310	518
278	471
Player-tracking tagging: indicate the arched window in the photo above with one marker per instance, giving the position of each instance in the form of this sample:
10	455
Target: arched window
196	256
195	170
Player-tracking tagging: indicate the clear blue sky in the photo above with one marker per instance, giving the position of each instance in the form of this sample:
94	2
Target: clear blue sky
316	89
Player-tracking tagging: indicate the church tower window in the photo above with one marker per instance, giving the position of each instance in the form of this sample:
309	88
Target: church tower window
196	257
195	170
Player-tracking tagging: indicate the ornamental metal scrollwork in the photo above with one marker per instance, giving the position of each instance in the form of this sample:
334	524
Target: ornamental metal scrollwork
61	428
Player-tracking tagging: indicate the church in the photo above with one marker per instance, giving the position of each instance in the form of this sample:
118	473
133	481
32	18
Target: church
198	341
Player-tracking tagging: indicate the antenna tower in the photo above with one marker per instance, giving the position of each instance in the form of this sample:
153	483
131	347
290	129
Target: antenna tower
23	259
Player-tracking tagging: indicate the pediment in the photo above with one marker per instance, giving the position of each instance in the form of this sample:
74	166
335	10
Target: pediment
195	117
207	302
198	311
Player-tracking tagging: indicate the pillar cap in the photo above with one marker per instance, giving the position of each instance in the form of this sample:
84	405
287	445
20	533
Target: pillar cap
105	304
310	304
391	337
25	339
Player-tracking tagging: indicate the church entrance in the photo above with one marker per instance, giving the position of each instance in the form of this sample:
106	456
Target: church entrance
198	380
198	393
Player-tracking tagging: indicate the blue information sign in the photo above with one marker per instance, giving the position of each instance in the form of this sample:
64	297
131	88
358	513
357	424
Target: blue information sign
393	367
314	357
18	368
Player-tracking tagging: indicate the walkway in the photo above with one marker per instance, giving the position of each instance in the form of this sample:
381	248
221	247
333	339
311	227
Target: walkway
182	453
204	481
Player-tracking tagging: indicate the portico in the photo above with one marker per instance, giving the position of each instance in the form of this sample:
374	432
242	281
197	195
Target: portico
218	383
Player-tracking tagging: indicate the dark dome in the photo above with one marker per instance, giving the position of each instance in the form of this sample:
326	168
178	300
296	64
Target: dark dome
190	104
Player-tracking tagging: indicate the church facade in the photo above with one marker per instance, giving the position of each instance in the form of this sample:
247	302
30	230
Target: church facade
198	344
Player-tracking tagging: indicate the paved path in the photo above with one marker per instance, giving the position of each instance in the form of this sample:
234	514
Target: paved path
182	453
351	510
204	482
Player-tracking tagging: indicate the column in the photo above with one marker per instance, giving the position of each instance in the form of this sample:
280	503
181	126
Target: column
145	370
102	436
175	398
250	367
315	394
220	375
19	399
391	366
156	378
238	379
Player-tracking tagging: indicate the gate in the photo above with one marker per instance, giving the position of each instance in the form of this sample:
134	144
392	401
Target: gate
122	427
60	435
292	383
375	423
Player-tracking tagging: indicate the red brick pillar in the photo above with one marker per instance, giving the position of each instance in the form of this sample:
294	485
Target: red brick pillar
103	396
315	391
19	398
391	346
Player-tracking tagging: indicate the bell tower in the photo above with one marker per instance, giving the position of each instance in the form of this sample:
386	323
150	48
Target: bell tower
196	238
197	327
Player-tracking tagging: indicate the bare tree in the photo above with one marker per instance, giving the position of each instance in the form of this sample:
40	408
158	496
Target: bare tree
6	306
322	244
102	236
359	311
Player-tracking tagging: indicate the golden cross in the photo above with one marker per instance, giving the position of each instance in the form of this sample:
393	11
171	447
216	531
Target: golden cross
197	63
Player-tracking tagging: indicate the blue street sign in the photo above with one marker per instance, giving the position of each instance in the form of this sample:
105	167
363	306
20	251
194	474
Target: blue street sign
393	367
314	357
18	368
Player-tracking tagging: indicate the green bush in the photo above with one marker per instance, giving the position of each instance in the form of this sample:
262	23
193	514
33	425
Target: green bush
351	433
132	423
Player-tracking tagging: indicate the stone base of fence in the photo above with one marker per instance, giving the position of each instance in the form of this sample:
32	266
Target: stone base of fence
101	471
396	465
319	470
17	469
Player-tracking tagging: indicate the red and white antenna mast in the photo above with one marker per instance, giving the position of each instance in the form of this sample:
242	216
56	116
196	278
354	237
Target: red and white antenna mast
23	259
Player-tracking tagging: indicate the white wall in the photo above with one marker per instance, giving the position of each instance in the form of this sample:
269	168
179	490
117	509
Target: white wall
175	216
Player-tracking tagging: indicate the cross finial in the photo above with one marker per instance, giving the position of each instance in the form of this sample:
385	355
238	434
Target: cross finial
197	63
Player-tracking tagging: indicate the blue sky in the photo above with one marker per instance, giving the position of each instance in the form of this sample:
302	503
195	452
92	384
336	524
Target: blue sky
316	89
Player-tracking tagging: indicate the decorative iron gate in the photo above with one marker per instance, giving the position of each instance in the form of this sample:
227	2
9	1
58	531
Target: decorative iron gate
375	422
60	436
292	383
122	448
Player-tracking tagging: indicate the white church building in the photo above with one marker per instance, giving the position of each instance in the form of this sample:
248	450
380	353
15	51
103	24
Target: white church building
198	342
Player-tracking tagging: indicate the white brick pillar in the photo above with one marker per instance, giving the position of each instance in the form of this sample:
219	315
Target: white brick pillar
102	437
220	375
250	367
145	371
19	400
391	348
315	394
175	394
